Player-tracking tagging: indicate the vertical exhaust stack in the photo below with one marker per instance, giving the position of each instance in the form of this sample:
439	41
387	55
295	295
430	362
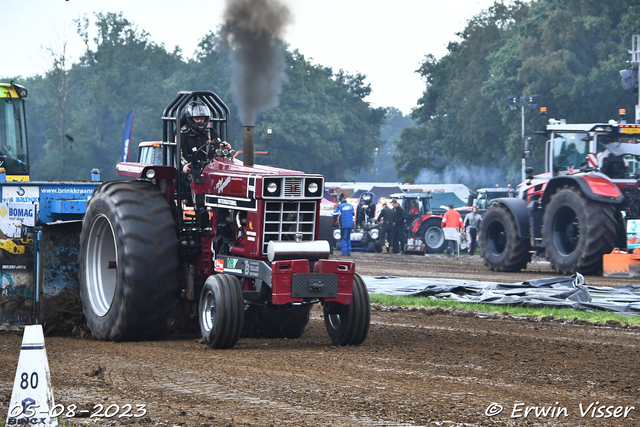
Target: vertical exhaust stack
247	145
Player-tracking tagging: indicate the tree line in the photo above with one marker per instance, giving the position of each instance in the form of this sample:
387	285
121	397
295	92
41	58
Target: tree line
76	112
568	52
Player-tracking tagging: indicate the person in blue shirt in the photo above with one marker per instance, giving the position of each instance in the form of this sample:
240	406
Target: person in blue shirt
344	212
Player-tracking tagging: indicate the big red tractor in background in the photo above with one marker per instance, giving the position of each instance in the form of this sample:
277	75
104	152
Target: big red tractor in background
249	261
424	228
576	211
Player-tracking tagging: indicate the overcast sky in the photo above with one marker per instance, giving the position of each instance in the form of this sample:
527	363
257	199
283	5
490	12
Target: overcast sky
383	39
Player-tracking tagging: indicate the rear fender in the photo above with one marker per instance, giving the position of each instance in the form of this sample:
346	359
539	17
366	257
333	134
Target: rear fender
140	171
164	177
594	186
418	222
520	212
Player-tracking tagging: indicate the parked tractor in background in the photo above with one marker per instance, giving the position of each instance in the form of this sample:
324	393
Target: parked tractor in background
577	211
366	231
248	262
483	199
424	223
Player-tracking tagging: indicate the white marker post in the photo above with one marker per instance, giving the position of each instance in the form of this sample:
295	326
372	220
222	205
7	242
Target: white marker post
451	233
32	396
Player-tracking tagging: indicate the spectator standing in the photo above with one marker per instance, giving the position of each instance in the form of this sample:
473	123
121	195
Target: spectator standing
452	219
398	227
344	212
472	225
386	219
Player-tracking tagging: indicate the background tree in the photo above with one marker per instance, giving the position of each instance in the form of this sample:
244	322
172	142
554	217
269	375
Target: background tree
120	71
322	124
384	169
567	52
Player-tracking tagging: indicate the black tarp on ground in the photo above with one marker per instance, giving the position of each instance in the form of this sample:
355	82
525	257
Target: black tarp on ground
569	292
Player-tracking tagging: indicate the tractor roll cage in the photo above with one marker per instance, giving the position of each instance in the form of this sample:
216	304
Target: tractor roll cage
172	123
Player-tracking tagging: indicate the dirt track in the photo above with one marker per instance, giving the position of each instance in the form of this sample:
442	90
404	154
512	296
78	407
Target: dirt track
417	367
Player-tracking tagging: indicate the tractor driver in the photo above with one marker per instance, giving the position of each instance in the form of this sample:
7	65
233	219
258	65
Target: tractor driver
198	141
198	146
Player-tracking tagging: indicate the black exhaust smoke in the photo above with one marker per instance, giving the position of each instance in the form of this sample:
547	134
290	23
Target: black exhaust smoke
247	145
254	30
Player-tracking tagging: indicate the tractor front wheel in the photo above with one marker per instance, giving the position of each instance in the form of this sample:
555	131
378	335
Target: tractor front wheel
221	311
501	246
431	231
577	232
128	262
349	324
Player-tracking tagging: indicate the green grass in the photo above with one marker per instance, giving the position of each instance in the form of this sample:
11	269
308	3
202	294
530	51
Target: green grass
548	312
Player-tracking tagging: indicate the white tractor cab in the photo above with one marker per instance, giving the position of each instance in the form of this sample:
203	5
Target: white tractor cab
483	197
150	152
611	148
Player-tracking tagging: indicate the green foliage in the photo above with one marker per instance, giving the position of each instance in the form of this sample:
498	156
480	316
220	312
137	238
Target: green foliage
567	52
384	169
322	125
513	310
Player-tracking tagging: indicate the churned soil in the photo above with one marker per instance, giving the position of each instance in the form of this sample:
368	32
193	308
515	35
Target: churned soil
425	367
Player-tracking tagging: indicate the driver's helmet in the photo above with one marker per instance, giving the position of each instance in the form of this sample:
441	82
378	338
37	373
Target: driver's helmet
366	198
197	109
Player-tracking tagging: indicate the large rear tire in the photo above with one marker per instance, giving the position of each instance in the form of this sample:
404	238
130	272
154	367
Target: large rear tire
269	322
500	245
128	262
349	324
577	232
433	236
221	311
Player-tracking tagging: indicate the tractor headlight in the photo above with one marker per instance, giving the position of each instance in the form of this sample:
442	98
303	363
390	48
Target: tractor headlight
150	174
272	187
336	234
313	187
375	233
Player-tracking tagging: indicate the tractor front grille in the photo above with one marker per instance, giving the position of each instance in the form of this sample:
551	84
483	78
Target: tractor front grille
283	220
292	187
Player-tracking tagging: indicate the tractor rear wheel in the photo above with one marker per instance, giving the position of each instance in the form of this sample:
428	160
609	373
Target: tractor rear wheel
128	262
221	311
349	324
431	232
500	245
577	232
269	322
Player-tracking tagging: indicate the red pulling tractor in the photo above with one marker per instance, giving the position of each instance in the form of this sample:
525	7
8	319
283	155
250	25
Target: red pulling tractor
577	211
252	265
